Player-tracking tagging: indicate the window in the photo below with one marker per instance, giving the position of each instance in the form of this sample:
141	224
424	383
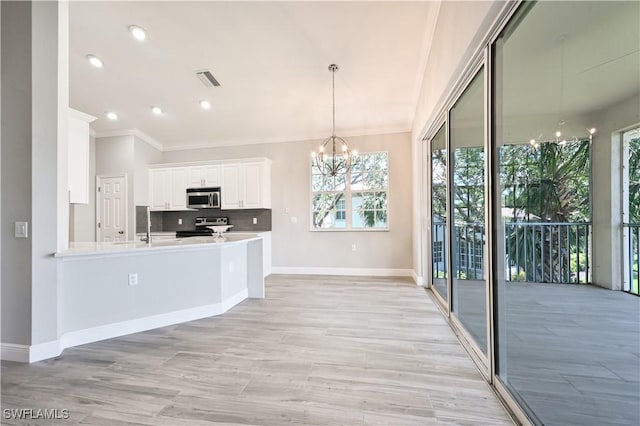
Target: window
353	200
437	251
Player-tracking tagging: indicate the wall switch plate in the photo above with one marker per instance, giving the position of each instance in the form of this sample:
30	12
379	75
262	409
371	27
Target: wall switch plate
22	229
180	221
255	220
133	279
287	210
294	219
353	247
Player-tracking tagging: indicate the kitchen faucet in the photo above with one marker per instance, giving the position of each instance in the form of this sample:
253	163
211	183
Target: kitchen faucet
147	237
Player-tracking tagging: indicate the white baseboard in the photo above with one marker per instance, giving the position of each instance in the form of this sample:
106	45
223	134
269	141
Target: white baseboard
372	272
13	352
417	278
25	353
45	350
234	300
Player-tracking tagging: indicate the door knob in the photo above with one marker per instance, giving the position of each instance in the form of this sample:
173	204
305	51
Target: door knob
120	232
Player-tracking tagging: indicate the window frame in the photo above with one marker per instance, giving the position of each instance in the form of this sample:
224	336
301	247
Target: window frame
348	199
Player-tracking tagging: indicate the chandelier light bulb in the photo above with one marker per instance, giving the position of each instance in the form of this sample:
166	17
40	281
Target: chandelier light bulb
321	149
204	104
592	130
558	134
532	141
313	154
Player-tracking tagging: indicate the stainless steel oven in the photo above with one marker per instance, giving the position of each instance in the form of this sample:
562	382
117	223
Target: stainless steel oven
203	198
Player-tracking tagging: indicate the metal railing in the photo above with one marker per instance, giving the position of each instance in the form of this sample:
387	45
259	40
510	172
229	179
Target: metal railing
632	231
538	252
548	252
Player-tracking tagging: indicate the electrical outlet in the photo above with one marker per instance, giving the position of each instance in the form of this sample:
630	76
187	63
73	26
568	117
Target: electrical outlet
133	279
179	221
294	219
353	247
287	210
255	220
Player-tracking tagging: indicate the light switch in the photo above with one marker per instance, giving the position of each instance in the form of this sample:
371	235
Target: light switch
22	229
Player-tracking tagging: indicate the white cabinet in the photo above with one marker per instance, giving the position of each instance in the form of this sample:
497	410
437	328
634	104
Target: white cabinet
201	176
168	188
78	139
246	185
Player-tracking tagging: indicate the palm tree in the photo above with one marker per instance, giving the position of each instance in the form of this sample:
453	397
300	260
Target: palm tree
551	184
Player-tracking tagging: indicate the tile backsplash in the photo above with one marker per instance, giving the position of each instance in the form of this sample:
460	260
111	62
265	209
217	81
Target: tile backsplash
242	220
141	220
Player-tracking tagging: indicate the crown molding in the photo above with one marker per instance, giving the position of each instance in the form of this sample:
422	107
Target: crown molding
133	132
305	138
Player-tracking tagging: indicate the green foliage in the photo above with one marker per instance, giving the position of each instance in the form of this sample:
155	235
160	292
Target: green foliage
634	181
367	184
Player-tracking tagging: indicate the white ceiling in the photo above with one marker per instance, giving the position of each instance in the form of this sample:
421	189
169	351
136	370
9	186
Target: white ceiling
271	59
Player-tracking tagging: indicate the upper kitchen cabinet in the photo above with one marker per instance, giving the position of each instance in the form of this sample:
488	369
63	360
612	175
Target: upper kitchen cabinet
168	188
78	156
246	185
204	176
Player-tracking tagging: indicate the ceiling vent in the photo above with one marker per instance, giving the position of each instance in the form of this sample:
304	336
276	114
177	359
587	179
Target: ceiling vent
207	78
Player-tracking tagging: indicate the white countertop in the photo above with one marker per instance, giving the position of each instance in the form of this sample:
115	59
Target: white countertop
136	247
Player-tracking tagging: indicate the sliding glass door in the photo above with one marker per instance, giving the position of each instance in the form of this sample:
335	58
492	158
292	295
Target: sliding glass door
439	230
565	83
535	214
467	183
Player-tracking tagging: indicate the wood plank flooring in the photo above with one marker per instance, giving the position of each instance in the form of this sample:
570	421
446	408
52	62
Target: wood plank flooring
318	350
572	352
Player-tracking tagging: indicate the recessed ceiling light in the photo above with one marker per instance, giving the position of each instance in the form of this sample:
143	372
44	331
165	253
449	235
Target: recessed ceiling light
204	104
138	32
95	61
112	116
156	110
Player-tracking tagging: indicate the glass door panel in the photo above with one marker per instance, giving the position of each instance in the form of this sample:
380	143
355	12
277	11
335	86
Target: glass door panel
469	289
439	231
566	350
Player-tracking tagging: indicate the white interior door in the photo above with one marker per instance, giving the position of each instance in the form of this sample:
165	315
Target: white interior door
112	205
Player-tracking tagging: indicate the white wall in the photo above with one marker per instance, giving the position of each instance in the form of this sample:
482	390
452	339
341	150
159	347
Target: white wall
29	169
294	244
145	155
16	171
83	216
115	155
459	31
132	156
607	191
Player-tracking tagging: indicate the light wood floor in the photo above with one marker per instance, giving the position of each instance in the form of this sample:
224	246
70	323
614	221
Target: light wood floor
571	352
317	350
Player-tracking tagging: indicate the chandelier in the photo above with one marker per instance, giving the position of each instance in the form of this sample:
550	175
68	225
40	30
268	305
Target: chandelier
334	156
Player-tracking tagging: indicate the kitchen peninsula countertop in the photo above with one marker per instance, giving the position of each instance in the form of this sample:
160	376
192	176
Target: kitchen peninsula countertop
136	247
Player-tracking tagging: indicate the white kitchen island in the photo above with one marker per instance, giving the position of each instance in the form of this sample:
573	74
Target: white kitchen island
107	290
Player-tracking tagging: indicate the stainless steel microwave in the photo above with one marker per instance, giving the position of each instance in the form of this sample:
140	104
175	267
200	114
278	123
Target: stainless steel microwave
203	198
